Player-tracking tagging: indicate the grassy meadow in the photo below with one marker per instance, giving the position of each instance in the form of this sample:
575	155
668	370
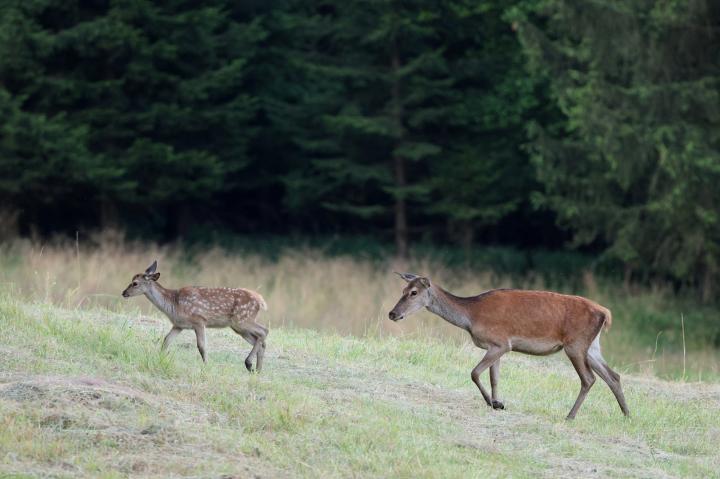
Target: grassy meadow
85	392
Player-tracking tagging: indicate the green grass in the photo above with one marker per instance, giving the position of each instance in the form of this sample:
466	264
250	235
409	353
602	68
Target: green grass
87	393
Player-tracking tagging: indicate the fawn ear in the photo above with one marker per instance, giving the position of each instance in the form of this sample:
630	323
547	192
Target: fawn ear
152	277
407	276
152	268
425	282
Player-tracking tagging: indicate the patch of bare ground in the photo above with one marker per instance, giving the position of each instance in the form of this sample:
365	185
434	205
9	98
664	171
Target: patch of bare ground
142	435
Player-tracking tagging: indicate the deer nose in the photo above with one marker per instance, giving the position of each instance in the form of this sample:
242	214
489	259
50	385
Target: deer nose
392	315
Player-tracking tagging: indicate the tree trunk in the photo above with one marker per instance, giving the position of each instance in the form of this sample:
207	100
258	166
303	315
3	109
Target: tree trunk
108	215
184	219
627	278
468	235
401	224
9	224
707	286
401	228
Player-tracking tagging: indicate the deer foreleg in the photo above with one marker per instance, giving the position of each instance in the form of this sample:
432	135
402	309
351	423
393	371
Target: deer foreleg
169	337
492	355
494	375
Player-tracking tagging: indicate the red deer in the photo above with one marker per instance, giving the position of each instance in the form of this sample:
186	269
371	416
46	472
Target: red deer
199	308
530	322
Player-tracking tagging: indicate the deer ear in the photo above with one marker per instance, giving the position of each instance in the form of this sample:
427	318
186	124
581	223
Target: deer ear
425	282
152	277
407	276
152	268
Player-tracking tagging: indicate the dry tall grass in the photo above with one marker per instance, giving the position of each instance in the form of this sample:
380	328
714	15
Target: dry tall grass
303	288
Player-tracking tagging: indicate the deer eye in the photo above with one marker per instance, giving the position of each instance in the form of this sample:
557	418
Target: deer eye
135	283
413	292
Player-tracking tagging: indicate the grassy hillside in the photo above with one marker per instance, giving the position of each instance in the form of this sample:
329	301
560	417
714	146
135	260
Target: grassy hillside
86	393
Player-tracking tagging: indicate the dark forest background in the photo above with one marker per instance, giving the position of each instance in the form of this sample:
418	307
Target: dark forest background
539	124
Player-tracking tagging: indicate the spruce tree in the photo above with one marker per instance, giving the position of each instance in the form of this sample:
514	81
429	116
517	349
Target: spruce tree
483	174
635	162
156	89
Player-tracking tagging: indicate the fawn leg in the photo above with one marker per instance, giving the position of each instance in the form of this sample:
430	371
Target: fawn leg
200	336
262	333
247	335
254	334
254	351
169	337
260	354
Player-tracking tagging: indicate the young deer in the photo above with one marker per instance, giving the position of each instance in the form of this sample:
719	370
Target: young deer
199	308
530	322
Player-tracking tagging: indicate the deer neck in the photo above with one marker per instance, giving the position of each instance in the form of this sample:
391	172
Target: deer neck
447	307
164	299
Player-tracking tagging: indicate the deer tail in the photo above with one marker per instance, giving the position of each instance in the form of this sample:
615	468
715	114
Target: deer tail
260	300
607	322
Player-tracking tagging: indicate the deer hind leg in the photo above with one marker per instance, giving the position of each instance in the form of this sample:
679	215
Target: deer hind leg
611	378
261	350
494	375
250	338
579	358
200	337
492	355
254	334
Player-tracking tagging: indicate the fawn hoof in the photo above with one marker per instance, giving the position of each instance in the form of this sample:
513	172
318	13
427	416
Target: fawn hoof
497	404
249	365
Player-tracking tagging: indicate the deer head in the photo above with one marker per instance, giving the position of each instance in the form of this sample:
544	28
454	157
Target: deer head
141	282
415	296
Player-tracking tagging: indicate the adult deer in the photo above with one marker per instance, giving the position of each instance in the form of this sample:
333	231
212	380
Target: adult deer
530	322
199	308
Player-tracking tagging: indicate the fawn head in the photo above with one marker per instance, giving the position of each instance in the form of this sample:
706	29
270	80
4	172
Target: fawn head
415	296
141	282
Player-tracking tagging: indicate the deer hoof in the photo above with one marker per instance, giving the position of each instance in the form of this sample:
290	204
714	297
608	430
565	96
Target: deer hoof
497	404
249	365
